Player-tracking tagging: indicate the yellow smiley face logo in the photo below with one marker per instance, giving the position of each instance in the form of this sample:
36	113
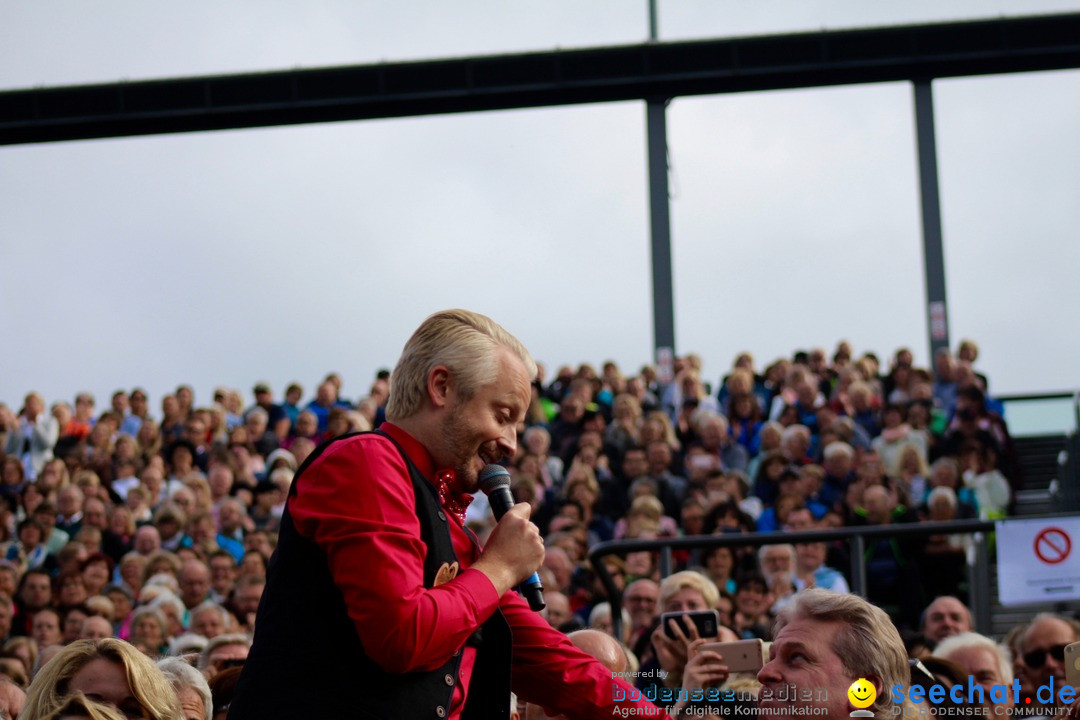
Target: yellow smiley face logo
862	693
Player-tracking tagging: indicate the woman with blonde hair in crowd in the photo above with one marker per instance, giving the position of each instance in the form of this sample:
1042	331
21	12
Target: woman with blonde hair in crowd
23	649
657	426
200	488
646	518
109	669
218	426
90	483
912	473
149	440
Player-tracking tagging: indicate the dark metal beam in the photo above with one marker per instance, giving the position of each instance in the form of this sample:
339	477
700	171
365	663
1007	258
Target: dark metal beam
937	307
645	71
660	220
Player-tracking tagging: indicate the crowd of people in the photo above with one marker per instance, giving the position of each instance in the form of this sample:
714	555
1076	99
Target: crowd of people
131	538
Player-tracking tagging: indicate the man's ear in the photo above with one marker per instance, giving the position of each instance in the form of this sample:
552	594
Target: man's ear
439	385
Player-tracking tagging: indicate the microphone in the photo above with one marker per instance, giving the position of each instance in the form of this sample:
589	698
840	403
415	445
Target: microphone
495	482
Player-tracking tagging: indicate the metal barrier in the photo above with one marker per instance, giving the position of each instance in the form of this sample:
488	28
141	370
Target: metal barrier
978	588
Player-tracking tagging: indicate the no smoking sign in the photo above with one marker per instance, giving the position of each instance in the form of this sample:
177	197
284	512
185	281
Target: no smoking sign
1053	545
1036	562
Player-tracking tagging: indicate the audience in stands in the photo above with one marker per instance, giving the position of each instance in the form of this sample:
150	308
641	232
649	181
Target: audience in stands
123	532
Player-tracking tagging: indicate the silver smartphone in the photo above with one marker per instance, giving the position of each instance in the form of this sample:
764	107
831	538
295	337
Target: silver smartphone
1072	664
740	655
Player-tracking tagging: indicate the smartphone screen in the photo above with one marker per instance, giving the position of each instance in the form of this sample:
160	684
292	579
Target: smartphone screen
707	622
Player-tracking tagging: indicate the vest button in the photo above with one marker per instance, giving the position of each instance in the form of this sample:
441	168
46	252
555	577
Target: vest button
442	516
448	679
440	711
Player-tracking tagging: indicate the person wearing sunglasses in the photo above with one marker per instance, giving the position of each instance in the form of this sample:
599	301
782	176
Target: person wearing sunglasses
1042	652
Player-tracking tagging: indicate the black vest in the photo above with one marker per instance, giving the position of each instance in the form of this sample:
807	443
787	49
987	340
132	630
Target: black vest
306	660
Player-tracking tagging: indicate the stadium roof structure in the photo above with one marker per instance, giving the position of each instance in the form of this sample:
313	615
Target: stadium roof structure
652	71
648	70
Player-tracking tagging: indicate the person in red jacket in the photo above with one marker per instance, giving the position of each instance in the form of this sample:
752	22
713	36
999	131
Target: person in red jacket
379	602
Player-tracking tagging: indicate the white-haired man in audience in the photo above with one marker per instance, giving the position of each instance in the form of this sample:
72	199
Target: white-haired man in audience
985	661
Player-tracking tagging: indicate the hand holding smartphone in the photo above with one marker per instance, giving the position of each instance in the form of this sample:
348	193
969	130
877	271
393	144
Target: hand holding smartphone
740	656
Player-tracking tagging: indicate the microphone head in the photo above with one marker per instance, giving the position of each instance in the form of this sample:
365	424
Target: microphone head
493	477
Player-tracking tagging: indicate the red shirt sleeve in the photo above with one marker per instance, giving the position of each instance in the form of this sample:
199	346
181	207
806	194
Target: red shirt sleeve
356	502
550	671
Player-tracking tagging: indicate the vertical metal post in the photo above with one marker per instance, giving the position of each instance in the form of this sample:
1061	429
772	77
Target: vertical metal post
659	213
979	585
665	561
937	314
858	565
660	218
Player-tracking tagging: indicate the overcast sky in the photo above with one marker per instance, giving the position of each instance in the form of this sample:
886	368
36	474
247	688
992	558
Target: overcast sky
281	254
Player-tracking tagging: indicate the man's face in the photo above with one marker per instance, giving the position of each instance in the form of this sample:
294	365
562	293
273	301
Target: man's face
659	458
256	425
802	655
838	465
195	431
192	703
208	624
871	467
634	464
306	424
1043	640
982	664
95	628
483	429
945	617
229	517
712	435
776	560
799	520
147	540
68	501
876	502
811	555
194	584
94	514
752	600
46	629
37	591
5	620
220	479
247	599
558	609
222	570
640	601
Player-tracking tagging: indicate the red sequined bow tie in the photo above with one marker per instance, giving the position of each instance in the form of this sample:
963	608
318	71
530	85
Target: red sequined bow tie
451	495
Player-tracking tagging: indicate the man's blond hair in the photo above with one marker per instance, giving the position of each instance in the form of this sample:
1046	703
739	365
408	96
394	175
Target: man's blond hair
867	644
463	341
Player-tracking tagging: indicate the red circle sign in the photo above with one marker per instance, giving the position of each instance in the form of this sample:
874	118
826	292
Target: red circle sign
1053	545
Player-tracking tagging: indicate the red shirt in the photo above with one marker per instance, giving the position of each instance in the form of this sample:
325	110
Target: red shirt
356	502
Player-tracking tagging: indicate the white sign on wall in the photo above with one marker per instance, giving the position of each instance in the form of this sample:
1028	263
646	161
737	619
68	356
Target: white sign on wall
1038	560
